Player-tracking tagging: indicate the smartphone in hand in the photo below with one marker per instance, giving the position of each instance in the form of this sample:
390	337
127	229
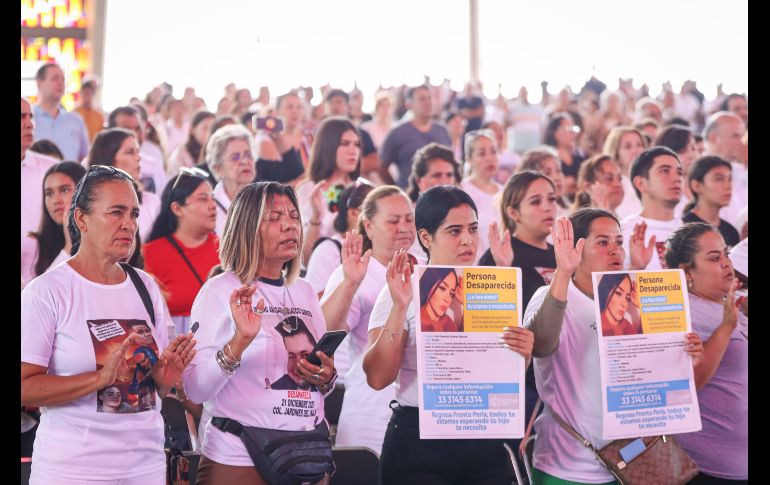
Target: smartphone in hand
328	345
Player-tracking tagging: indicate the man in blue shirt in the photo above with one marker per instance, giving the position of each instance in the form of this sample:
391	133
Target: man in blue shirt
52	121
408	137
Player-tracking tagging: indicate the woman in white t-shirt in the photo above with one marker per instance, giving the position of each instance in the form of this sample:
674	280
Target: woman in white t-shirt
50	244
79	339
447	228
327	252
119	148
566	347
335	162
480	184
386	225
251	367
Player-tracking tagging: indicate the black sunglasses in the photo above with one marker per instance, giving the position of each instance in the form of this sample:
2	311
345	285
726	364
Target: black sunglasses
100	170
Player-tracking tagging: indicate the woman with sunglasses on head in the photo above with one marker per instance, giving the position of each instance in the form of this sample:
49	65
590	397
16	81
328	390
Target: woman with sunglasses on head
50	244
69	356
566	350
118	147
335	162
600	184
327	251
720	449
385	226
261	323
230	158
182	247
480	184
447	228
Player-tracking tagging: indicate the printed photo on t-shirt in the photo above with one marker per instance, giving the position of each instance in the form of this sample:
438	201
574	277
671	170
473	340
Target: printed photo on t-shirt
133	390
545	273
299	343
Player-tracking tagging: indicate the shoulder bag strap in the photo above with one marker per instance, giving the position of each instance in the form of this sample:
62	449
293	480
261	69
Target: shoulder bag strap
141	289
572	432
171	241
227	425
528	433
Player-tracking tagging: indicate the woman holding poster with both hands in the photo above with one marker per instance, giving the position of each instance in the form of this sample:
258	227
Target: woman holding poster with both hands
566	350
447	228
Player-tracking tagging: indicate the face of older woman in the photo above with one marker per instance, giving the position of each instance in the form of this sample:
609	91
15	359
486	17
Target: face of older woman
128	158
279	231
712	270
237	165
392	227
110	227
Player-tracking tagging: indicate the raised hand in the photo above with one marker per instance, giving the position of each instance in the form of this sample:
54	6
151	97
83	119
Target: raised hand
116	362
639	253
568	254
600	194
354	264
247	321
167	372
501	249
399	279
731	306
317	200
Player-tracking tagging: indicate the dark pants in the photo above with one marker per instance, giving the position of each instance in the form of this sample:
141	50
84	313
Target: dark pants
406	459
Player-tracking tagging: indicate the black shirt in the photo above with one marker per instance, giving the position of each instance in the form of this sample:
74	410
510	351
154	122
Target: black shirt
537	267
728	232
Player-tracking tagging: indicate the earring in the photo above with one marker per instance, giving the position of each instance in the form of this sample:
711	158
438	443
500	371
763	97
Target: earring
689	283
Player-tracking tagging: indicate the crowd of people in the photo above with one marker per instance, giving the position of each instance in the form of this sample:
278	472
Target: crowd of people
172	250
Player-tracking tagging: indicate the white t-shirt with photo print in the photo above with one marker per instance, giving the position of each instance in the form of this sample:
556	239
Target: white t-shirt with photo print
261	392
59	309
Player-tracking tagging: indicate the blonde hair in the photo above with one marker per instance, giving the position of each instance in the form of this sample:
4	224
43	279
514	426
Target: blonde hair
240	247
612	142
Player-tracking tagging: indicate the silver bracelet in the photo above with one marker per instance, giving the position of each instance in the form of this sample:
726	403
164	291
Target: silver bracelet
229	367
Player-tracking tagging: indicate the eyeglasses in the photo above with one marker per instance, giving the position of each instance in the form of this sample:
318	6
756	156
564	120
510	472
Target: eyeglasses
99	170
360	181
194	172
573	128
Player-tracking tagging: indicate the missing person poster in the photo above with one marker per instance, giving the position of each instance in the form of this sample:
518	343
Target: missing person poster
648	386
469	384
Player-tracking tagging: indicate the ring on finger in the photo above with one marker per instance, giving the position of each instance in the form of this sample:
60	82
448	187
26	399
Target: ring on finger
315	376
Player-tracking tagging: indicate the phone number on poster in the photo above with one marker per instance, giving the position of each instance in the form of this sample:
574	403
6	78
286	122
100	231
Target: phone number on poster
644	399
459	400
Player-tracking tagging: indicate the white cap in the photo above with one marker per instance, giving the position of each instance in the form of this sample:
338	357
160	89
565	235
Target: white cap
739	255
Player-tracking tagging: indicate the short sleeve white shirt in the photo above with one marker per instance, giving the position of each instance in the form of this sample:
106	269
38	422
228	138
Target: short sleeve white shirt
660	229
59	311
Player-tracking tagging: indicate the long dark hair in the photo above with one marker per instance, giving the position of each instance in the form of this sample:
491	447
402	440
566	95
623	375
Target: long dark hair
106	146
549	138
178	188
323	153
351	197
430	279
698	171
582	219
607	285
49	235
192	146
434	205
421	162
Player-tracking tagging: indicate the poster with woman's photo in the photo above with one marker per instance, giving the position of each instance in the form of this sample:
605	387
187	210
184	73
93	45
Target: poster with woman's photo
470	385
134	389
648	385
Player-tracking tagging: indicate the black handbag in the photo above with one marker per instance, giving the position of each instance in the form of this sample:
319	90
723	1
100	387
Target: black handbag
285	457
